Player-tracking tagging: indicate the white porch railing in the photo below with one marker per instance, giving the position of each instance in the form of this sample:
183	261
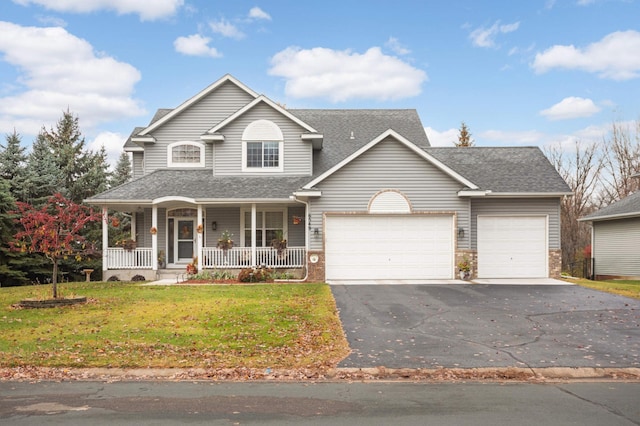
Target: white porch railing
240	257
138	258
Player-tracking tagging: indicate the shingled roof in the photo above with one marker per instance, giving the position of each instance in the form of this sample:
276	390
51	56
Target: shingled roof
504	170
627	207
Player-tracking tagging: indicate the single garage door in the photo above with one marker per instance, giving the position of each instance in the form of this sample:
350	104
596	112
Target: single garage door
512	247
388	247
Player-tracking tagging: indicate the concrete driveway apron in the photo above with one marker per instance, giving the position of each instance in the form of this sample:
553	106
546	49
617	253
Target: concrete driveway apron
476	325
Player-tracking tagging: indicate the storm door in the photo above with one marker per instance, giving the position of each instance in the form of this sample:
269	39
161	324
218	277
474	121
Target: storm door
184	235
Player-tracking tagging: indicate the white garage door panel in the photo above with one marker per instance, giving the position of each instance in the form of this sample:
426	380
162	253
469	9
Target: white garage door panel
389	247
512	247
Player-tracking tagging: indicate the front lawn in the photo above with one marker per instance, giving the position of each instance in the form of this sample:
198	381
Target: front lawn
128	325
627	288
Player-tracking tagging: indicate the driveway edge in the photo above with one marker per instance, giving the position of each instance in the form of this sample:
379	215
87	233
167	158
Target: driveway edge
318	375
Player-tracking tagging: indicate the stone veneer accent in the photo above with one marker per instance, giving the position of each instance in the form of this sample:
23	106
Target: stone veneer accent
472	257
316	270
555	263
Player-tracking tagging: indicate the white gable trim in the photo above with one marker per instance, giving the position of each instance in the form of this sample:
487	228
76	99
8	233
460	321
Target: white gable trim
405	142
252	104
196	98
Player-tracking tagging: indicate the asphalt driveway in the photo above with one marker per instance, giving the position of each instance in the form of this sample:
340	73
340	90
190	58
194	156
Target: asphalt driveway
477	325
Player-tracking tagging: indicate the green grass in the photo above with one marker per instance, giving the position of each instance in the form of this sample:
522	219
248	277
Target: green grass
628	288
127	325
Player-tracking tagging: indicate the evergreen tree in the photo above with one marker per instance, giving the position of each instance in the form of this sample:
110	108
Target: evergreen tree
464	137
122	173
97	176
10	261
43	177
68	148
13	163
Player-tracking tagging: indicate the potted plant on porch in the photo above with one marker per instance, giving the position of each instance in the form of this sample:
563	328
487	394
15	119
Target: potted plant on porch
225	242
279	243
464	267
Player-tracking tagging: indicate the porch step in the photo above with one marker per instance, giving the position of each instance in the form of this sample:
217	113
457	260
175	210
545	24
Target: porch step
177	274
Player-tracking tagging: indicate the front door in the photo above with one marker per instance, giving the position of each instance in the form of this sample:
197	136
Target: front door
184	240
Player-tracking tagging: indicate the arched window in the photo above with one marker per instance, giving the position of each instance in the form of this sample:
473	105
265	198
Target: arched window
185	154
262	147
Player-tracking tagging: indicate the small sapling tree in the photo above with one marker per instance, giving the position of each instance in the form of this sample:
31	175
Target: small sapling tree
55	230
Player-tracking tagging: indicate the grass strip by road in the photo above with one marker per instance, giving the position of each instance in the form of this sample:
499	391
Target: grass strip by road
628	288
131	326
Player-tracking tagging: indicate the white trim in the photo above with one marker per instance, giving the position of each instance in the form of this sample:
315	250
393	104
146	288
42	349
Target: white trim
252	104
133	149
527	194
262	130
172	145
196	98
212	137
173	198
143	139
467	193
405	142
309	193
261	170
610	217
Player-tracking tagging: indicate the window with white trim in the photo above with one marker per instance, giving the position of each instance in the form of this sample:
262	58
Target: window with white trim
269	225
185	154
262	147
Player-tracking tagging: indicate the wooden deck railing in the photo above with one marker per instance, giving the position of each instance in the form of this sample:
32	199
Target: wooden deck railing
240	257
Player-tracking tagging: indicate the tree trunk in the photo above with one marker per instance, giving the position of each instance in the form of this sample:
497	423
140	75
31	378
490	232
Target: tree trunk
55	279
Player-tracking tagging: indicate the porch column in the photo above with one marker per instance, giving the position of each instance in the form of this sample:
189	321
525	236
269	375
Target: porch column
254	252
199	239
105	238
154	239
134	231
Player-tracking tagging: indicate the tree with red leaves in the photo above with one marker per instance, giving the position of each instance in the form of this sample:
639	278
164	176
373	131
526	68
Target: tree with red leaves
55	230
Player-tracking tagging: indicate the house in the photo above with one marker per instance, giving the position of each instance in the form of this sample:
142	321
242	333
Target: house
615	239
359	195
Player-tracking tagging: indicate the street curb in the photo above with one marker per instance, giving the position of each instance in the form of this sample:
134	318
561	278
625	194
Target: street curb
507	374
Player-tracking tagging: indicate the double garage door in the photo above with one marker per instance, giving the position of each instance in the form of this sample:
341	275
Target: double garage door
389	247
512	247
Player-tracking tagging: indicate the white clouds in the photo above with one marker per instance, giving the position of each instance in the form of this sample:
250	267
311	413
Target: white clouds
112	143
616	57
147	10
445	138
397	48
59	71
571	107
523	137
485	37
257	13
345	75
226	29
195	45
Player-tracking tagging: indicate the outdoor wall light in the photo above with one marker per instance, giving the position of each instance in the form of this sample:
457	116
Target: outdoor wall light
214	225
460	232
316	231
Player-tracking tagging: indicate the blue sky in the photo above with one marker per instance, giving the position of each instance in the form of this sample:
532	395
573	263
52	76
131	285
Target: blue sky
519	73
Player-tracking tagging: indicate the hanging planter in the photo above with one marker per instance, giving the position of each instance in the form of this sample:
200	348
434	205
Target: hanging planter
153	230
200	229
225	242
115	222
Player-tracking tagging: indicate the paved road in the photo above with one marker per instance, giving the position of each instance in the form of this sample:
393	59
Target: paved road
371	404
430	326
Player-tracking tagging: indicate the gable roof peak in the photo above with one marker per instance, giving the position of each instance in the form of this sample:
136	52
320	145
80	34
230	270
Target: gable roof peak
186	104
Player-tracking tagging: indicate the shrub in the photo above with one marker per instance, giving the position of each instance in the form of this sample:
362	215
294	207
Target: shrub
255	275
138	278
113	278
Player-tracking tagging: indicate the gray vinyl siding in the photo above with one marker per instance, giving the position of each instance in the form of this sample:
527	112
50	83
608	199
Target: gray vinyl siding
297	155
193	122
388	165
227	219
616	247
295	236
137	166
518	207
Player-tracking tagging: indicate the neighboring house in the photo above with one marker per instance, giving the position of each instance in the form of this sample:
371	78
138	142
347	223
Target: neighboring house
615	239
357	194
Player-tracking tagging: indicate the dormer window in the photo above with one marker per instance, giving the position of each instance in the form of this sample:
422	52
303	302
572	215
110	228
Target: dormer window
185	154
262	147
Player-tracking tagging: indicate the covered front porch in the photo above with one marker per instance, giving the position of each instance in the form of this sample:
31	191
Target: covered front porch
170	234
